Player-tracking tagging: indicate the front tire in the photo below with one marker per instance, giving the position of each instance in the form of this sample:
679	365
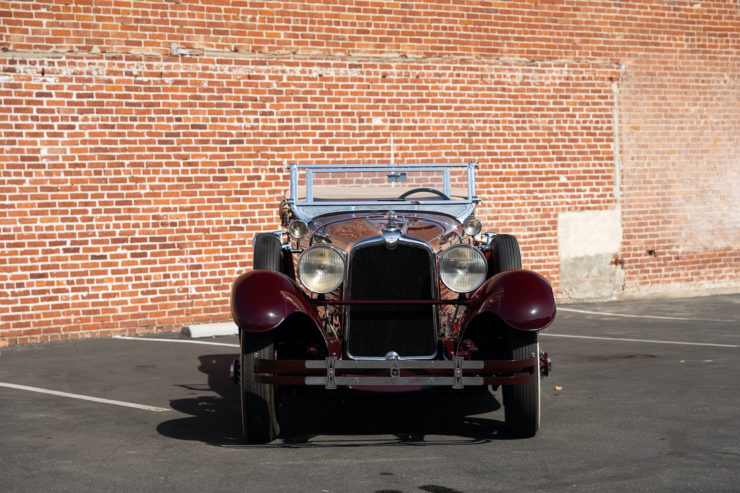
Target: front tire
505	255
267	250
522	402
258	400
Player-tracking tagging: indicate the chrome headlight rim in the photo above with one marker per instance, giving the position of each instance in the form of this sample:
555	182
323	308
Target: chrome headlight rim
342	271
456	288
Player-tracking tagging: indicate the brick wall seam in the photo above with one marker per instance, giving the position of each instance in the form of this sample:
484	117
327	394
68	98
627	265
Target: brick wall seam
272	56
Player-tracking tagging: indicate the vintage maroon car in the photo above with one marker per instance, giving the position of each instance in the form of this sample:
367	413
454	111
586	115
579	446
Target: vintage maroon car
383	281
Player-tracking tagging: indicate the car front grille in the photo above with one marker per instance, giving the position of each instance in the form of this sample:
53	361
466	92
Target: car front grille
403	273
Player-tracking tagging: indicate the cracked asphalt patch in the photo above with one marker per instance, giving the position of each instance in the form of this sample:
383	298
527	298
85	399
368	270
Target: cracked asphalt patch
618	414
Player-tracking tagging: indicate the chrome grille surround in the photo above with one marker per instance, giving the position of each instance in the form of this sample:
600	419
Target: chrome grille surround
372	331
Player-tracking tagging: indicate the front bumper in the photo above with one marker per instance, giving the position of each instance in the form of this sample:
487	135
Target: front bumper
456	373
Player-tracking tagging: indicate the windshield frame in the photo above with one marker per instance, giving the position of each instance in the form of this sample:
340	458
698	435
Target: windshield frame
309	208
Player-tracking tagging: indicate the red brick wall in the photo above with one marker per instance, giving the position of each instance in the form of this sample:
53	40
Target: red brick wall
144	143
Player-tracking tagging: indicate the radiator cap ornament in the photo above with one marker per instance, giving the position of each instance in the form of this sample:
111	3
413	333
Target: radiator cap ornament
391	233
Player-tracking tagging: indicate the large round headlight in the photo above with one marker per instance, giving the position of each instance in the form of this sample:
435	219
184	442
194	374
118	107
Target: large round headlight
321	268
462	268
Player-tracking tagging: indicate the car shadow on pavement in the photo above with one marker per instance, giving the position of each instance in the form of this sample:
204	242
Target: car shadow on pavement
336	418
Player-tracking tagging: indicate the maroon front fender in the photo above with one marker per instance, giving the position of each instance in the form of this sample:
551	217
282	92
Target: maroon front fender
520	298
262	299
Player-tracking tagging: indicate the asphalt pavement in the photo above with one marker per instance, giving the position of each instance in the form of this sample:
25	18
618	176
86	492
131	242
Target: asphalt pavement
643	396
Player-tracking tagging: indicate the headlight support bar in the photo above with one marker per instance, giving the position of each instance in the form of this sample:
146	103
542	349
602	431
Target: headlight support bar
387	302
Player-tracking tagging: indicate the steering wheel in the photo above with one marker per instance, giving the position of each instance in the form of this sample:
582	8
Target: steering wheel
428	190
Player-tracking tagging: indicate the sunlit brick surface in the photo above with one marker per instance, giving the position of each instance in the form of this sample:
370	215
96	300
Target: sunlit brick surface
144	143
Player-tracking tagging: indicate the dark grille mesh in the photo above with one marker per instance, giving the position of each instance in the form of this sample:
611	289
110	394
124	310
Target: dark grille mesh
401	273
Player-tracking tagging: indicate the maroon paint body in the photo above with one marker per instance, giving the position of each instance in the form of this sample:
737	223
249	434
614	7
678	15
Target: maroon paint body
521	298
262	299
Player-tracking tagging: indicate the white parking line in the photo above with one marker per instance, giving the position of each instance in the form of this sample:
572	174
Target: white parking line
83	397
186	341
652	341
626	315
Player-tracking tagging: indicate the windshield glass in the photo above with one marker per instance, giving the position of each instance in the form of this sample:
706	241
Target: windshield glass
429	184
319	189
